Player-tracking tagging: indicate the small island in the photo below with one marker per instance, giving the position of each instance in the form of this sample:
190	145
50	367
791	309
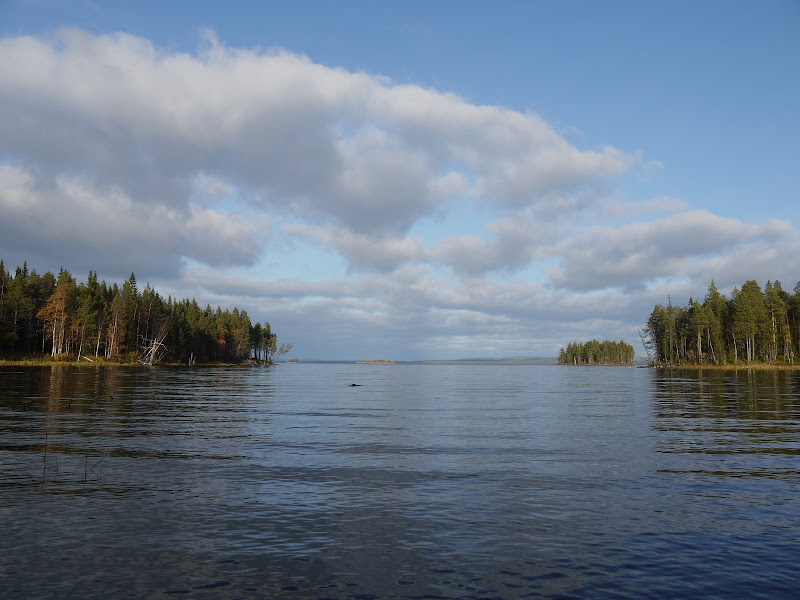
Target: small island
597	353
375	361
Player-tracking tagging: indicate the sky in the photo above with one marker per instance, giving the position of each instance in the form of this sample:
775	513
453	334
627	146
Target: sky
406	180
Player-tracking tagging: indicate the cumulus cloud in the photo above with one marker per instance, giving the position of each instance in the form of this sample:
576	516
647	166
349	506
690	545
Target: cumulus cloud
323	142
210	189
761	260
510	243
410	313
103	227
632	255
363	251
661	204
126	157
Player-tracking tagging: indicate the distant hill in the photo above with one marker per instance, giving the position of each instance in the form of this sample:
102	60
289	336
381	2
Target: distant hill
514	360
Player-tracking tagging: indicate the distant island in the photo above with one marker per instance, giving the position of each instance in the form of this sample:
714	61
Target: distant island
597	353
375	361
55	318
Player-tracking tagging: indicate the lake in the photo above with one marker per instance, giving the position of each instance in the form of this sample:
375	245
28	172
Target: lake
423	481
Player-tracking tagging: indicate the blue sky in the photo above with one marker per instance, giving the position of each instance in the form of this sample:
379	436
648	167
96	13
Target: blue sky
406	180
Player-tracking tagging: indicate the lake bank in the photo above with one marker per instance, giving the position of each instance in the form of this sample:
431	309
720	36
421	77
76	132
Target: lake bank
730	367
96	363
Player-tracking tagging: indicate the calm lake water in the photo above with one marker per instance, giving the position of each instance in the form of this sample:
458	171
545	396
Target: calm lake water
422	482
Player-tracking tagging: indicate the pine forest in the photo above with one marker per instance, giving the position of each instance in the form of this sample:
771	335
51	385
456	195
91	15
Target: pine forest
55	315
753	326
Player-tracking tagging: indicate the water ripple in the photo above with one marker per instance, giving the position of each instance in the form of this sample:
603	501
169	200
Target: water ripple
423	482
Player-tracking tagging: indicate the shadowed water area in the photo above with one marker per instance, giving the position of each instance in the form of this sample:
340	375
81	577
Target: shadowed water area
424	481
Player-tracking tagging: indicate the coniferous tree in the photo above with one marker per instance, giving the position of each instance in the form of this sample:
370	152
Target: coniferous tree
751	326
65	318
715	306
596	353
749	318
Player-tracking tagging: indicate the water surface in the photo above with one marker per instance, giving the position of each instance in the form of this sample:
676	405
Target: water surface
421	482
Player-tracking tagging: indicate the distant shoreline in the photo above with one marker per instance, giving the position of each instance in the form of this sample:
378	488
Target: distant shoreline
466	361
493	361
375	361
533	362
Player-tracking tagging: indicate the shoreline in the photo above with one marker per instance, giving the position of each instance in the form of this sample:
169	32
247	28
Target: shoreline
728	367
595	365
376	361
95	363
109	363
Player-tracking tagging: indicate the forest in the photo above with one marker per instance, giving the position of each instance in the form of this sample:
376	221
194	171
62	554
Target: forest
753	326
597	353
91	320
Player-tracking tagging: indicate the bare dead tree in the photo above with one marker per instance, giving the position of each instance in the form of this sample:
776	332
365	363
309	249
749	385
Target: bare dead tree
153	349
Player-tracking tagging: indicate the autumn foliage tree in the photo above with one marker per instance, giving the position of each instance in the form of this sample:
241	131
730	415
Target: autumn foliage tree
56	314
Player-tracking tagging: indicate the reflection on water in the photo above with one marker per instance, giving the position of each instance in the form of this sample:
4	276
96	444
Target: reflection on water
742	395
423	482
739	423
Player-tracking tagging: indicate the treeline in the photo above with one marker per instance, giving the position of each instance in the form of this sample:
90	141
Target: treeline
57	315
754	325
597	353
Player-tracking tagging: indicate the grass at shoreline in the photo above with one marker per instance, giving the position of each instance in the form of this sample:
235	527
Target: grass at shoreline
48	361
98	362
742	366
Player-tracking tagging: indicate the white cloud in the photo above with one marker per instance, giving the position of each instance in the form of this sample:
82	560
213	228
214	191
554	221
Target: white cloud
661	204
119	156
632	255
211	189
362	251
762	260
79	222
324	142
513	242
411	313
653	164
